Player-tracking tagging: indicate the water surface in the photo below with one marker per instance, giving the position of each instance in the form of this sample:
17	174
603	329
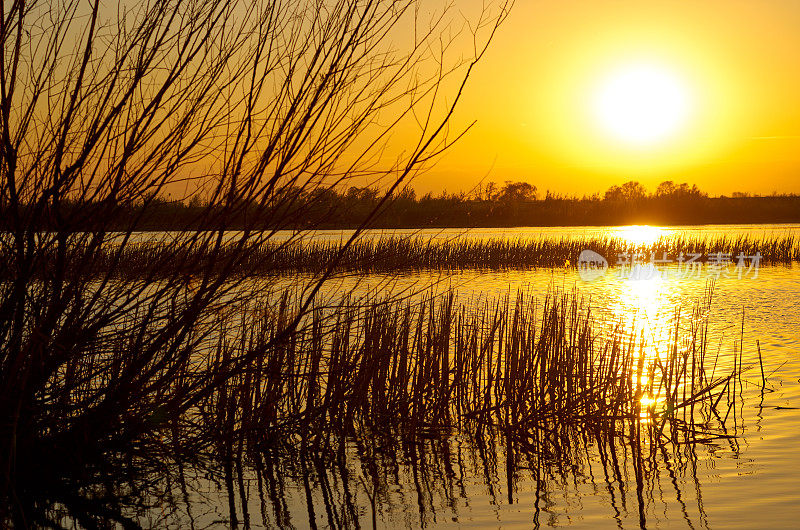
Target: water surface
745	481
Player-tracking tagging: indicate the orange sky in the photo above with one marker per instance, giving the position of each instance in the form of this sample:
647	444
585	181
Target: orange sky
739	61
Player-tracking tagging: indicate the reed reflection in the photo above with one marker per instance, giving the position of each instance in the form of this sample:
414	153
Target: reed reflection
380	481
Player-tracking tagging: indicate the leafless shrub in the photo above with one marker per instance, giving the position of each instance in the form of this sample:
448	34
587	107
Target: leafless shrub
110	107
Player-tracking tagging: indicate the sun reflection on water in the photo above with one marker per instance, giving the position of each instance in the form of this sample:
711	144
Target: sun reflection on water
644	307
646	310
638	235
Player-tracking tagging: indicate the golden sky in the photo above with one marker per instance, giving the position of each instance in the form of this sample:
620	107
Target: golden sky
736	66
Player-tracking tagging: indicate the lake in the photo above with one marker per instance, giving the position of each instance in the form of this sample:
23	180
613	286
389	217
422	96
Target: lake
746	479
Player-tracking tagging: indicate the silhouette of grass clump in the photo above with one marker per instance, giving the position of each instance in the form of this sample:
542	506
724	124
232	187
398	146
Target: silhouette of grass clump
392	254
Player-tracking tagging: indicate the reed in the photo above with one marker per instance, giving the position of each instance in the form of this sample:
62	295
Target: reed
395	253
540	374
525	367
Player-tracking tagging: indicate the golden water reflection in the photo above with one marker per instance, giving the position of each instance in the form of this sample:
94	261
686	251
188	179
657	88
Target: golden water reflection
637	234
644	310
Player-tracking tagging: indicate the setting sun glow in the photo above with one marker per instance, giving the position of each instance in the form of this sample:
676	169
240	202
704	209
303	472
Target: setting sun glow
638	234
641	104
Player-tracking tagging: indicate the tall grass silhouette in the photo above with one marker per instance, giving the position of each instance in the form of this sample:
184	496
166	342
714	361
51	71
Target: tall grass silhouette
539	373
389	254
528	367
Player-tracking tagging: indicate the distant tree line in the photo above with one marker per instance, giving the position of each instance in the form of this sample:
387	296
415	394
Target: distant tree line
488	205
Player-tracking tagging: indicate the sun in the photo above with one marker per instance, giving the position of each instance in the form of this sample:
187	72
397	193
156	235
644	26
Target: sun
642	104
